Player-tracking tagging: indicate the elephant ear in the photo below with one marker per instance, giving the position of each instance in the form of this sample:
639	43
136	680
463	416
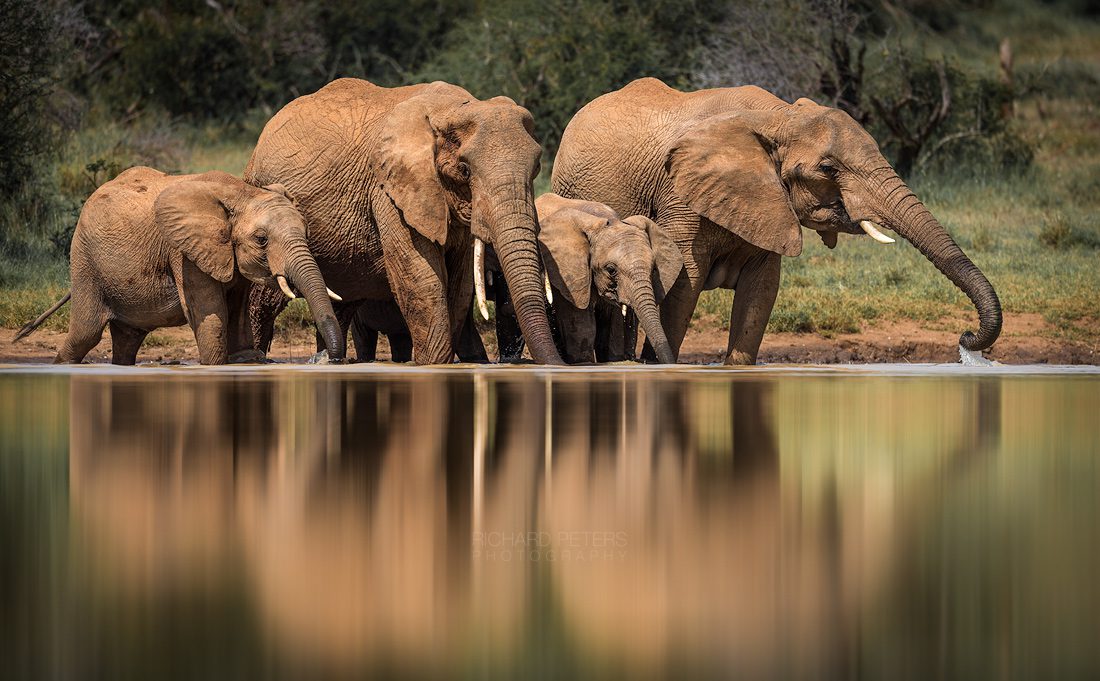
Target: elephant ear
404	161
192	217
565	252
721	169
667	259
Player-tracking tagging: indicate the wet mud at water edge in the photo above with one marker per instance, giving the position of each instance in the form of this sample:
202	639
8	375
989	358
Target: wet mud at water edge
324	522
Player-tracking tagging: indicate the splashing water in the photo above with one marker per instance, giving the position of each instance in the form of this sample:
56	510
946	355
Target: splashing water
971	358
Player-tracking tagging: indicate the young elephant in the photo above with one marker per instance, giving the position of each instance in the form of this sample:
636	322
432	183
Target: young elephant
153	250
593	259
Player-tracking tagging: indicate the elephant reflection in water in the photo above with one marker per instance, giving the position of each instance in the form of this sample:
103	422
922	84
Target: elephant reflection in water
746	549
153	488
349	555
363	513
326	494
711	568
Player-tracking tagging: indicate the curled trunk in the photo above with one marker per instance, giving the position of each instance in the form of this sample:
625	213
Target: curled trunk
510	223
907	216
303	272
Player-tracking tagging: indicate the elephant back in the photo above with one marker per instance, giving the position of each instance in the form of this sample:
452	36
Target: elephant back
318	147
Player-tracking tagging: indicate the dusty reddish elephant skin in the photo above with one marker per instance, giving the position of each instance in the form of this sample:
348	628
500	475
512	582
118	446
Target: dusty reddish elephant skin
394	183
733	175
152	250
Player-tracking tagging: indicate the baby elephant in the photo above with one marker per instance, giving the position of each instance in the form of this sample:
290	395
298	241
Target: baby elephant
153	250
591	254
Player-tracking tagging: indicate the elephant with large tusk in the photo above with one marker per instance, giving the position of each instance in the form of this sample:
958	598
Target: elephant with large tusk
733	175
394	184
153	250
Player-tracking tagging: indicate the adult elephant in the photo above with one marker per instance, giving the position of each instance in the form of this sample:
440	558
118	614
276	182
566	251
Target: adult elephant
733	174
394	183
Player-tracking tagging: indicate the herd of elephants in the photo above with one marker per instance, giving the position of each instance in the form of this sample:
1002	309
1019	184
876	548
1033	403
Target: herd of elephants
390	210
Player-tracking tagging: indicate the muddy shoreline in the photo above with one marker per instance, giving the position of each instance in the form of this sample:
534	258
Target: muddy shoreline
1027	339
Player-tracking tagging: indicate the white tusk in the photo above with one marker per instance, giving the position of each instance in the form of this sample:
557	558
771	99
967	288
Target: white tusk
332	294
624	310
479	278
549	293
285	287
874	233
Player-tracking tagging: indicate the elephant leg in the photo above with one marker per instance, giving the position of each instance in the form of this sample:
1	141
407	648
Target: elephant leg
401	347
630	336
509	337
469	347
241	344
460	291
617	335
86	321
576	331
415	267
125	342
204	306
264	305
757	287
364	337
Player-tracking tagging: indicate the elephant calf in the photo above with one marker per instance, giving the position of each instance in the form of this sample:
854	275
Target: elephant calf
153	250
597	263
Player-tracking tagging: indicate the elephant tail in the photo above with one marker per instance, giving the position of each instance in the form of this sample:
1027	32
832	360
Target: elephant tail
28	328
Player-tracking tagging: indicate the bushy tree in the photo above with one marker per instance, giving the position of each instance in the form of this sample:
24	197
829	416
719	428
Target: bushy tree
554	56
921	109
27	59
385	41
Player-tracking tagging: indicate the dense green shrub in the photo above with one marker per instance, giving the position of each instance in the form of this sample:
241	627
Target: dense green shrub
27	58
206	59
924	111
554	56
932	113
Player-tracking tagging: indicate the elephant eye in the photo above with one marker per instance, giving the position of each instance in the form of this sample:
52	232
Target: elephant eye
827	168
611	269
463	170
261	240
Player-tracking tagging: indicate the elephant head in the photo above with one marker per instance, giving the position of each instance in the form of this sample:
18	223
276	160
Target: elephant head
224	226
629	262
445	158
764	174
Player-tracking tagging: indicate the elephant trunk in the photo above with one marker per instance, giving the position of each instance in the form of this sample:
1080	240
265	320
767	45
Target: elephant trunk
303	272
906	215
644	302
506	212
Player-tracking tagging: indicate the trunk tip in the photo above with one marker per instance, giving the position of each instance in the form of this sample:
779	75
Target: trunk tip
973	343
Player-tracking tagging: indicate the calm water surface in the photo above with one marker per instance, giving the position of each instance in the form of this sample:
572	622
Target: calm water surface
513	523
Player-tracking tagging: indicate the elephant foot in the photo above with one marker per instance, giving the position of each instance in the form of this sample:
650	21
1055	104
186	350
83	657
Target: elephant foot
738	358
250	356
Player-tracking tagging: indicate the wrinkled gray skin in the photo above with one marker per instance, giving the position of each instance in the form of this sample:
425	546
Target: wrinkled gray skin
733	175
153	250
394	183
592	257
